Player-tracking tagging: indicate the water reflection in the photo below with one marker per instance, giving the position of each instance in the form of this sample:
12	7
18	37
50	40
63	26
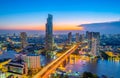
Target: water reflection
101	67
8	54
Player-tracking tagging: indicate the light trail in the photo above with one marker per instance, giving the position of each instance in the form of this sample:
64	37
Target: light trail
47	70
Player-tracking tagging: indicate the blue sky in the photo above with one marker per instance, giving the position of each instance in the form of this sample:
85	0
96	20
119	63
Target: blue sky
23	14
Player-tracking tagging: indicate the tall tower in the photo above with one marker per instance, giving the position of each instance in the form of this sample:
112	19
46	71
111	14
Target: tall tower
69	37
81	37
23	37
49	33
94	51
77	37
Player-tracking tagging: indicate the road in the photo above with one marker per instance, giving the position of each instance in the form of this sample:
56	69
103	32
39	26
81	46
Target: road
47	70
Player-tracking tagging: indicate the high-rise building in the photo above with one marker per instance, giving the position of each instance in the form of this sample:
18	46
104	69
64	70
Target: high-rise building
49	33
33	61
93	39
77	37
23	37
94	51
69	37
81	37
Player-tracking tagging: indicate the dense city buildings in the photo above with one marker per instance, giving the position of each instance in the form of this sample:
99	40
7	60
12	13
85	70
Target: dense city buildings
69	57
23	37
69	37
59	38
93	39
49	33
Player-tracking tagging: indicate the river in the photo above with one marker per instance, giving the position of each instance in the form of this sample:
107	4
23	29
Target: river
101	67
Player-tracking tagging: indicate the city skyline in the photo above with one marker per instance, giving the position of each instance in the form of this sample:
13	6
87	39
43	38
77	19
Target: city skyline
59	38
31	15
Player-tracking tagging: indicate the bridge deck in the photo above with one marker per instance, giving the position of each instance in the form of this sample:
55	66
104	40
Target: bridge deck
47	70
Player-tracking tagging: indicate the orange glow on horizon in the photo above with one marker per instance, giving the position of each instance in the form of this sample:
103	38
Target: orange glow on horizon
38	27
67	27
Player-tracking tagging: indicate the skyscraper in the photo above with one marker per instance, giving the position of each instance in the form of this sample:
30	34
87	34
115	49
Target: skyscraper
94	50
77	37
49	33
93	42
23	37
69	37
81	37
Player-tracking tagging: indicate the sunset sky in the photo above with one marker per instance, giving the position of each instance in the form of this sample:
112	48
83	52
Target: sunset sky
67	14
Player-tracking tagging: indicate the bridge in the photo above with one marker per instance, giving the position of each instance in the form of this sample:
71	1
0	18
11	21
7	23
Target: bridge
48	69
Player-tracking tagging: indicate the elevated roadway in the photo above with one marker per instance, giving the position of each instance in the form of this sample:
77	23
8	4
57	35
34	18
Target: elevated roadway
48	69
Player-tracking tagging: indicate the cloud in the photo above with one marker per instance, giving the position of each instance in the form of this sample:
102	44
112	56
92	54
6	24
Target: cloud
104	27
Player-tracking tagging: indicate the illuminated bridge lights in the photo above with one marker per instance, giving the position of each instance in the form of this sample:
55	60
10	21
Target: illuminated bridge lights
46	71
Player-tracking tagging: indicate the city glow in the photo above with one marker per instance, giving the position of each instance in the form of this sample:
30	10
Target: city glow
59	39
38	27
